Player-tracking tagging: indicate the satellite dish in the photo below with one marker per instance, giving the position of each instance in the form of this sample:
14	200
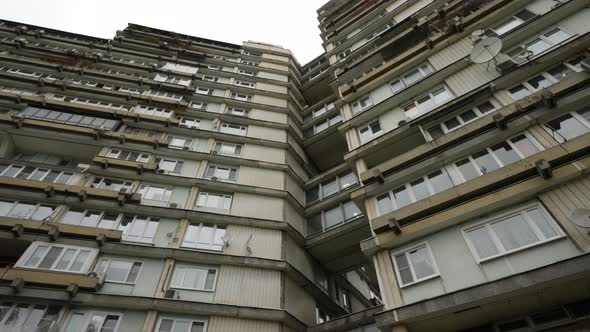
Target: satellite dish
486	50
581	217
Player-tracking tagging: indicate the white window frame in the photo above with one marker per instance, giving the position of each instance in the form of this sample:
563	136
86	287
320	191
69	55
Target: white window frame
220	145
545	74
246	84
207	268
217	167
233	129
237	111
247	72
241	96
141	158
373	134
199	242
45	170
190	321
204	91
406	252
224	196
187	142
92	253
154	111
24	323
403	78
108	261
127	185
141	238
172	171
522	209
543	37
415	109
362	104
30	213
249	63
576	115
144	188
209	78
180	68
198	105
89	315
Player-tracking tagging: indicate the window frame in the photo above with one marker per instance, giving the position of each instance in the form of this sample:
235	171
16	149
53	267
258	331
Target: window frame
109	260
368	126
219	146
208	193
85	268
215	167
207	268
356	106
29	216
519	210
243	130
405	251
541	36
174	319
88	315
198	244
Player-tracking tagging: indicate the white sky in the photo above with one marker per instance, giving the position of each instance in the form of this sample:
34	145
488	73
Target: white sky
290	23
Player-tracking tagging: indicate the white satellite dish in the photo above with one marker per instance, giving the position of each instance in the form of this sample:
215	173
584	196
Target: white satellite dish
581	217
486	50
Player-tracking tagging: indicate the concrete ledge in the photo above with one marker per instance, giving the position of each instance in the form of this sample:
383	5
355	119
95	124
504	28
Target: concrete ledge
561	274
160	304
50	278
33	225
346	323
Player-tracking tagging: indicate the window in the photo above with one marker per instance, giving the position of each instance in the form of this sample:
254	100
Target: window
209	78
428	102
361	104
214	200
179	142
94	321
91	218
119	271
204	236
412	76
245	84
69	118
494	157
111	184
327	123
461	119
57	257
249	63
221	172
199	105
169	166
569	126
181	325
154	193
247	72
332	217
512	23
26	210
510	232
230	149
344	54
194	277
369	132
238	111
172	80
251	53
539	44
138	228
414	265
143	132
35	173
214	67
163	95
204	91
154	111
233	129
28	317
129	155
241	96
180	68
189	122
545	79
331	187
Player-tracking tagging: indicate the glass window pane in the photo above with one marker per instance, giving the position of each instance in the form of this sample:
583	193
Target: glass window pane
329	188
166	325
384	204
486	107
524	145
134	272
198	327
556	36
505	153
348	180
42	212
22	210
181	326
539	82
66	259
312	195
468	116
118	270
402	197
397	86
80	261
5	207
485	161
566	127
110	323
435	132
482	242
333	217
514	232
440	181
210	279
76	322
441	95
314	224
351	210
452	123
537	46
404	269
421	262
36	256
50	258
542	223
467	169
420	189
519	92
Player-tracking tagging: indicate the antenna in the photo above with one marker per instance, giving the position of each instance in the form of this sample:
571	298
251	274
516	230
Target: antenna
581	217
486	50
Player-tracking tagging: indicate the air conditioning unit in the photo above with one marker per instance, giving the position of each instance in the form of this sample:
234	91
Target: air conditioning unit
213	152
161	171
173	205
172	294
185	147
401	123
214	178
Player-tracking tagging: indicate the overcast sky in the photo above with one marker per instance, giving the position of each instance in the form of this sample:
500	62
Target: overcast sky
290	23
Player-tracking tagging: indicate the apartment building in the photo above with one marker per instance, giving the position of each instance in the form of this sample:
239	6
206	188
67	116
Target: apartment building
160	182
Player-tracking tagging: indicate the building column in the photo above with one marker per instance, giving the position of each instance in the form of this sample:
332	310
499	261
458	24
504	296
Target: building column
150	321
